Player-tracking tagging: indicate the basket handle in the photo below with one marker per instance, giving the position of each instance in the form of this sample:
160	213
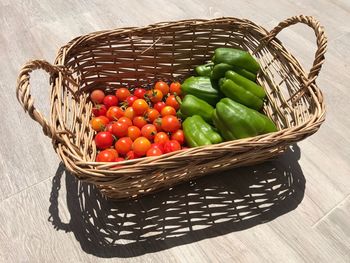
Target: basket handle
321	40
25	98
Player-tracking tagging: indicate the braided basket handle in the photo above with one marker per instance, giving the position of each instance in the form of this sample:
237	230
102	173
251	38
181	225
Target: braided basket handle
25	98
321	40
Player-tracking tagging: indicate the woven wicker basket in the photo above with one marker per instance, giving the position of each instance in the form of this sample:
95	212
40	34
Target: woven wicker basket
168	51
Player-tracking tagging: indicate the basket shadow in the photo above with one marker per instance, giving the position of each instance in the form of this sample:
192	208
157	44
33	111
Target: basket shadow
210	206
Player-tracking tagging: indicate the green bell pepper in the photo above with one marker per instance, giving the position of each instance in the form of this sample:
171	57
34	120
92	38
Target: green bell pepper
236	57
236	121
201	87
204	70
246	83
192	105
240	94
220	69
198	133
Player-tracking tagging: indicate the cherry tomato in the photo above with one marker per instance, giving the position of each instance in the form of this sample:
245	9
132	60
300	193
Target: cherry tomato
110	100
159	106
99	110
131	155
114	113
172	101
109	127
97	96
161	138
122	94
134	132
155	95
123	145
175	88
106	156
125	120
149	131
141	145
154	151
139	121
119	129
152	114
130	100
171	146
140	106
114	151
99	123
129	113
162	86
170	123
178	136
158	145
168	110
158	124
104	140
140	93
118	159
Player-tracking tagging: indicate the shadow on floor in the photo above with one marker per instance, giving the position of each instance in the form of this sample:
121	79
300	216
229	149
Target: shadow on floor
210	206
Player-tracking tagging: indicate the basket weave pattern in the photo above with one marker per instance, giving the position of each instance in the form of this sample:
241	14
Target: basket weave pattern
170	50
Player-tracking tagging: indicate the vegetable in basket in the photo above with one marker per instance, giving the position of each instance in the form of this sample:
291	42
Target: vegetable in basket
191	105
220	69
198	132
204	70
236	57
236	121
203	88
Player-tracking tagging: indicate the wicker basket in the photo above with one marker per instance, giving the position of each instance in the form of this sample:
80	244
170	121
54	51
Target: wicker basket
168	51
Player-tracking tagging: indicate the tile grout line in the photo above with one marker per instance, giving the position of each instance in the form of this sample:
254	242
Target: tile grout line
8	197
330	211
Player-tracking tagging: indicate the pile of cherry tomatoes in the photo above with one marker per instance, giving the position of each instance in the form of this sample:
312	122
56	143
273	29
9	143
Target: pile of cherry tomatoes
136	123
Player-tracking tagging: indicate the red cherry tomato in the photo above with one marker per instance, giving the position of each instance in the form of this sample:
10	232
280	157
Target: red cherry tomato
172	101
162	86
161	138
178	136
104	140
99	123
106	156
170	123
154	95
168	110
139	121
130	100
141	145
175	88
114	113
125	120
129	113
97	96
159	106
99	110
122	94
152	114
134	132
140	93
140	106
153	151
110	100
149	131
123	145
158	145
158	124
131	155
119	129
171	146
109	127
118	159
